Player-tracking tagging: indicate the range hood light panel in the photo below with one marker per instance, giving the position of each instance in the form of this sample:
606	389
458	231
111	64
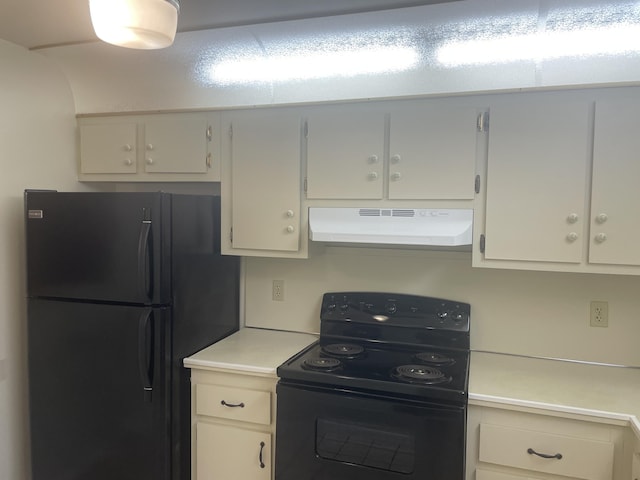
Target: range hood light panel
426	227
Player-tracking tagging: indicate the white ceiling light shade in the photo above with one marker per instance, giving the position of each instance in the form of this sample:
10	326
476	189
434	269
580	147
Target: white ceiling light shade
143	24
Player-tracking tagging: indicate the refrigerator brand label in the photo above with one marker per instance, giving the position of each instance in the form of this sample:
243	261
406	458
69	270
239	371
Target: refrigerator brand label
35	213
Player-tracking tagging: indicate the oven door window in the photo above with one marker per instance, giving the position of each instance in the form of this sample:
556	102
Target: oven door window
369	446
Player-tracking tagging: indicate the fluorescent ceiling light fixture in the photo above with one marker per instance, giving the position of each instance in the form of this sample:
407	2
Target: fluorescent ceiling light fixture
143	24
307	64
615	39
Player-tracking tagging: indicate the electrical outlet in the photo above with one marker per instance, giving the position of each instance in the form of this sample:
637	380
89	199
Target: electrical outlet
277	291
599	314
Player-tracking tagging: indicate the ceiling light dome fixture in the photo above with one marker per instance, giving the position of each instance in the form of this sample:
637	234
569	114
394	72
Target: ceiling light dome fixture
143	24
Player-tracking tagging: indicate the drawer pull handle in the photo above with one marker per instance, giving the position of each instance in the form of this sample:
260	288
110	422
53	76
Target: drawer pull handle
232	405
261	449
531	451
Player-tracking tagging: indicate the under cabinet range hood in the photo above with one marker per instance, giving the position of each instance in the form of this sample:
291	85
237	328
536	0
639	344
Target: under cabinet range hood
393	226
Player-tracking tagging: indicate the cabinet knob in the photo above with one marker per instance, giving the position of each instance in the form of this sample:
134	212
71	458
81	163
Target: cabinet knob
395	159
291	229
373	175
149	146
572	237
572	218
373	159
601	218
396	176
149	161
600	237
290	213
127	148
128	162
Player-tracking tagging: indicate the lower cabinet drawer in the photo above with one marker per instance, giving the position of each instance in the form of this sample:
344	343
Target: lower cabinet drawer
234	403
577	457
483	474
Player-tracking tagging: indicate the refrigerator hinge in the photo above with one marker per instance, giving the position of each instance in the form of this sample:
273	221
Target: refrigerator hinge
477	184
483	122
483	243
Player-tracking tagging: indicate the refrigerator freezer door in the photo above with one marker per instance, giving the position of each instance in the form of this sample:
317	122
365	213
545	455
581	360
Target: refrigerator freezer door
111	247
98	391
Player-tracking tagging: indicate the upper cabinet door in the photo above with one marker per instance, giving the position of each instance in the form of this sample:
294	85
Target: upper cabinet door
108	148
176	145
615	199
345	153
432	152
263	158
536	179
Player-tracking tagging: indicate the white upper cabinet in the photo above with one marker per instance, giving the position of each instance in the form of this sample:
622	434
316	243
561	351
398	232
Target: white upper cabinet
150	148
562	184
409	150
536	179
176	145
345	152
261	184
432	152
615	198
108	148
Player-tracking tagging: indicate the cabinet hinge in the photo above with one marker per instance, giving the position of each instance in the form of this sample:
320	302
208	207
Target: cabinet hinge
231	131
483	122
477	184
209	133
483	243
305	129
208	160
305	185
231	235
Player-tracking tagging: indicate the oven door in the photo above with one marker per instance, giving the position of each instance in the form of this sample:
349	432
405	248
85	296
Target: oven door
331	434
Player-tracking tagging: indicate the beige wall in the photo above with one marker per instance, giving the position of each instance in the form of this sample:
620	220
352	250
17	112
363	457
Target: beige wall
37	150
530	313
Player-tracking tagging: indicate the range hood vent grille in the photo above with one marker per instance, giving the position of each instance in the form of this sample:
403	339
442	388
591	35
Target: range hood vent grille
382	212
394	226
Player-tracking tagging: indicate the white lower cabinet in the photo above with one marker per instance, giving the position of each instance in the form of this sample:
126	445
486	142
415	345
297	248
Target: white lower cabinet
232	453
517	445
233	422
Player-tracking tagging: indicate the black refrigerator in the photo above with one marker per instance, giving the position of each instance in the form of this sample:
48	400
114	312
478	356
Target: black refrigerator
121	287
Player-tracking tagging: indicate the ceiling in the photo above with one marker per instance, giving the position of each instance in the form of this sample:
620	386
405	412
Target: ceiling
43	23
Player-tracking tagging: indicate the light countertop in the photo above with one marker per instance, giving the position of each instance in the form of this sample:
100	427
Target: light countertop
253	350
602	391
607	392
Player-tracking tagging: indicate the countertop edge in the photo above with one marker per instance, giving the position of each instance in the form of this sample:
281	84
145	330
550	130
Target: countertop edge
631	420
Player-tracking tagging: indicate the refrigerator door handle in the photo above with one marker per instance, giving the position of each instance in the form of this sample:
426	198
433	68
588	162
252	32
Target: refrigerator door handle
145	353
144	263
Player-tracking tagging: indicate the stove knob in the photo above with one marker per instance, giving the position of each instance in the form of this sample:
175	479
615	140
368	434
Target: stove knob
391	308
458	317
345	304
332	304
443	315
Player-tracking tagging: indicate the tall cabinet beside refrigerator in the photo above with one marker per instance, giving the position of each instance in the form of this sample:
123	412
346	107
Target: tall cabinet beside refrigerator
121	287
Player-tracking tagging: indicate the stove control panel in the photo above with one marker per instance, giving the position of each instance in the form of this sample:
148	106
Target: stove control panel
396	309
